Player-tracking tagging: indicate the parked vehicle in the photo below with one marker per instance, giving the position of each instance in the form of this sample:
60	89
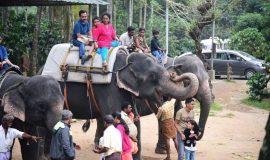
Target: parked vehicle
242	63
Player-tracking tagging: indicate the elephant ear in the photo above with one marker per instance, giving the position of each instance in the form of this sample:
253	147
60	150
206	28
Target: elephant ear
13	102
127	79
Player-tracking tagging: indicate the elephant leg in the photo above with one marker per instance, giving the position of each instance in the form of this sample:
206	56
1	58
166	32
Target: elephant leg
138	155
34	150
99	130
161	144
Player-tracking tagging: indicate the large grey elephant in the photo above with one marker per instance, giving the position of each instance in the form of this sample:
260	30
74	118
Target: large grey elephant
135	75
37	104
181	65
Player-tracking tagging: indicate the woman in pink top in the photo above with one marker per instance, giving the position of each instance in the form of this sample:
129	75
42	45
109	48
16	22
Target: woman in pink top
123	128
104	36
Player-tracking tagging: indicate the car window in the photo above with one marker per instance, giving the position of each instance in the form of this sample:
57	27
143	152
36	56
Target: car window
221	56
234	57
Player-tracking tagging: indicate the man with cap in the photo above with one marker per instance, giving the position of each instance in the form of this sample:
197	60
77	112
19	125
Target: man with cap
112	141
62	146
7	136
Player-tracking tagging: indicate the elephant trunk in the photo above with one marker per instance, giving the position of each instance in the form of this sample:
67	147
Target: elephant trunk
205	103
175	88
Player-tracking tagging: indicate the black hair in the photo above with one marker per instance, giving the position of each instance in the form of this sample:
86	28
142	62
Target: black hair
130	28
155	32
141	29
81	12
196	127
95	18
106	14
189	100
118	116
125	105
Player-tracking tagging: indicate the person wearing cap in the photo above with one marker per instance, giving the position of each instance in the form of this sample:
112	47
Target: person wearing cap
62	146
7	136
5	63
112	141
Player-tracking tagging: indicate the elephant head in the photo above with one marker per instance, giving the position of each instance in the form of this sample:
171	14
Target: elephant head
37	100
145	78
192	64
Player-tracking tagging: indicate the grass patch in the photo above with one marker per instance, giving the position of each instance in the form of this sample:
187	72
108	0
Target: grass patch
263	104
216	107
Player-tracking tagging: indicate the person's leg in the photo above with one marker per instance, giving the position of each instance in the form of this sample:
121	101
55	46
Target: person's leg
81	47
168	149
90	53
175	143
187	154
192	155
180	147
104	54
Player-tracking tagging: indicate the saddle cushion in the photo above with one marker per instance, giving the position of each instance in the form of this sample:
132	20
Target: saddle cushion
66	54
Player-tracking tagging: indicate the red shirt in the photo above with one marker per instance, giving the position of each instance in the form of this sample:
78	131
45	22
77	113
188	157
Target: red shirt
104	35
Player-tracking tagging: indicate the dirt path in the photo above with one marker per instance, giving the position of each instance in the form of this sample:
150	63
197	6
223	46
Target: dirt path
235	133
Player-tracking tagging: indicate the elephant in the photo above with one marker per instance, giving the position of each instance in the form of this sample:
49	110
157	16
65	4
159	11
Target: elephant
134	75
181	65
37	104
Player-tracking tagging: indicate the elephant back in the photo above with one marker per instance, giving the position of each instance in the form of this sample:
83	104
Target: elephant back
63	63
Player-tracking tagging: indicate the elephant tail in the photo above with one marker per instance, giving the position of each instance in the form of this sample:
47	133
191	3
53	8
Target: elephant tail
86	125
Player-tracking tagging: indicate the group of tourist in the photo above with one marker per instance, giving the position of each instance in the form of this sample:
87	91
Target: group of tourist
104	36
183	130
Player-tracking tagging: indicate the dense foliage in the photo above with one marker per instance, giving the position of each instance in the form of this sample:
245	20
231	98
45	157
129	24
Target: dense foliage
257	86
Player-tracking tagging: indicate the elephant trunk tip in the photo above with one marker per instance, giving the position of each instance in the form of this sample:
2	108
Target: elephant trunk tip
86	125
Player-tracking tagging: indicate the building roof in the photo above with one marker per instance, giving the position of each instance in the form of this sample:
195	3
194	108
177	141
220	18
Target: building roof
49	2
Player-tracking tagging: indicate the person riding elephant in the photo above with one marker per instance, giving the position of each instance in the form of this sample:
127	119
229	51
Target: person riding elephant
36	103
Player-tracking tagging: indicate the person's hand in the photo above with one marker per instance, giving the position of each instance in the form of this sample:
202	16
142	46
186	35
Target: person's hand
137	118
17	67
34	138
77	147
95	150
183	137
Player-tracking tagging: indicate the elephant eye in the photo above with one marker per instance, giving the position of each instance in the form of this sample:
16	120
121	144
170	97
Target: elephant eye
153	76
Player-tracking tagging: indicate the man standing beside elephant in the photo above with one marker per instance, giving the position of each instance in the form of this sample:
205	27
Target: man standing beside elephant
7	136
62	146
182	117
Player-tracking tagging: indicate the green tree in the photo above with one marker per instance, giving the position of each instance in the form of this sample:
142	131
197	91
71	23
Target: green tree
249	20
251	41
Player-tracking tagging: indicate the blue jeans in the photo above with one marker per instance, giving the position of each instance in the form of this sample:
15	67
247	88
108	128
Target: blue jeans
190	155
80	45
181	147
159	56
103	52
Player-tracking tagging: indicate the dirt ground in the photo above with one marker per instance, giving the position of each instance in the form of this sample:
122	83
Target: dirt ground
235	133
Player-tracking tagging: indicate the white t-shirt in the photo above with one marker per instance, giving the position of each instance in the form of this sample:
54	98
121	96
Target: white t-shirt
7	141
131	126
125	39
112	140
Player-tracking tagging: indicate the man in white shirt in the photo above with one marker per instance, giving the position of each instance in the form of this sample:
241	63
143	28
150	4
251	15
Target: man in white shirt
7	136
112	141
127	38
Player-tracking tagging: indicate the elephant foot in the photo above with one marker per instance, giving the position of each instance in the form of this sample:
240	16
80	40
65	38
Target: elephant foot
160	151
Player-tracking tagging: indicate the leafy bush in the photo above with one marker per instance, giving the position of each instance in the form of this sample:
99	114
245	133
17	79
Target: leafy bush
251	41
257	84
249	20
